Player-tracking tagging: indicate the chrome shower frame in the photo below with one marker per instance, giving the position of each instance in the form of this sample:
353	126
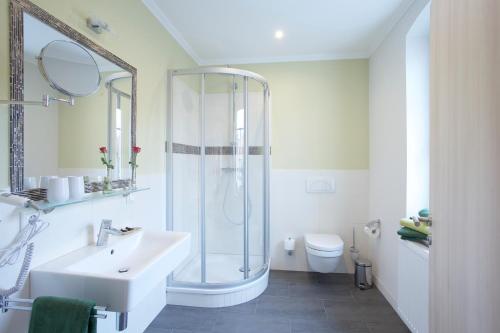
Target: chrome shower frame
245	75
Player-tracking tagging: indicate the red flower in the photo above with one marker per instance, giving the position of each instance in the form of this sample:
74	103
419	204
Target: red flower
103	150
136	149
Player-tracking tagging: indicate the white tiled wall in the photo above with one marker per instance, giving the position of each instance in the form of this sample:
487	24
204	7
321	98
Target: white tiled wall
76	226
294	212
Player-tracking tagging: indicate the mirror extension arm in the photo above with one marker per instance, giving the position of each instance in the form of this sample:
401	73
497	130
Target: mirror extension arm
45	102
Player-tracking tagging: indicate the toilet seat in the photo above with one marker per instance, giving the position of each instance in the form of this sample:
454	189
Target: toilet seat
324	245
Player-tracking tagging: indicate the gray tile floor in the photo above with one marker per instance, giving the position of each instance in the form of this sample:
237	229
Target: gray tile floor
294	302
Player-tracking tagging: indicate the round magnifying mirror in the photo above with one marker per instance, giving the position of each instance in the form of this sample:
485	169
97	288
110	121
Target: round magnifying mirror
69	68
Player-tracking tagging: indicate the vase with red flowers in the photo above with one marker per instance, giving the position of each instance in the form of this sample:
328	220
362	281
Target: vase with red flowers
133	165
106	161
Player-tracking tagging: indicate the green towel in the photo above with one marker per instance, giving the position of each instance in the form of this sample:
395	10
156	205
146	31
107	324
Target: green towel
416	240
62	315
408	223
424	212
410	233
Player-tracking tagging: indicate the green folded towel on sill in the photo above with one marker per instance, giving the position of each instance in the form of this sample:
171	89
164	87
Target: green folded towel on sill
410	233
416	240
62	315
408	223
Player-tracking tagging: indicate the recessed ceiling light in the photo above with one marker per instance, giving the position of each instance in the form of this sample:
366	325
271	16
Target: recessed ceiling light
279	34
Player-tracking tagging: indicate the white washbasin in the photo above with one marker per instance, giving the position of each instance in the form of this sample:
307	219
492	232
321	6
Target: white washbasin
92	272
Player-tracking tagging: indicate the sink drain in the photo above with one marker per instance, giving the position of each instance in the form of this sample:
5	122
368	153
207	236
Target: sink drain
123	270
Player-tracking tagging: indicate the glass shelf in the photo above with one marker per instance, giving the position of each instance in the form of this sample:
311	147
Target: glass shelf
47	207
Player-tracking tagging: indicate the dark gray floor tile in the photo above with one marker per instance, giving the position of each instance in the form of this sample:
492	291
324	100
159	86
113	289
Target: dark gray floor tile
337	278
248	307
368	313
157	330
370	296
343	311
291	307
186	318
294	276
377	314
276	290
250	323
328	326
294	301
388	327
278	281
321	291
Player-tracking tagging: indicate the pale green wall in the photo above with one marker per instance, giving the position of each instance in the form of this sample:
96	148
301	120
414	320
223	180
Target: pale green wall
319	109
319	113
136	37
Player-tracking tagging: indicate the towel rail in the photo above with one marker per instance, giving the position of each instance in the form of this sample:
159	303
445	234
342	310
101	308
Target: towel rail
5	305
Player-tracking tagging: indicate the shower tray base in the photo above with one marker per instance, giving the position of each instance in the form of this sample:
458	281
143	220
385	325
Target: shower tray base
216	297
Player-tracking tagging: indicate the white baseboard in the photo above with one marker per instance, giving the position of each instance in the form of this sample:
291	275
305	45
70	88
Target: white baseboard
385	292
393	302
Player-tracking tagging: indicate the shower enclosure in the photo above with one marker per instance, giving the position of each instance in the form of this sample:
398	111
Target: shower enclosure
218	183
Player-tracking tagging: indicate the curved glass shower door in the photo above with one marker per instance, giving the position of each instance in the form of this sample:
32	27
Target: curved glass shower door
218	164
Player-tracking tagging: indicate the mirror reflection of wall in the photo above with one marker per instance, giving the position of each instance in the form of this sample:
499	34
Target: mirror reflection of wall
63	140
118	87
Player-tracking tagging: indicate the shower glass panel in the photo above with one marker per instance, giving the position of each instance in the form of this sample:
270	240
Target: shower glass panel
218	165
256	186
224	172
185	171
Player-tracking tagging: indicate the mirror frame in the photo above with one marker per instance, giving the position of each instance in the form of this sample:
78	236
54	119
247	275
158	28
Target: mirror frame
16	122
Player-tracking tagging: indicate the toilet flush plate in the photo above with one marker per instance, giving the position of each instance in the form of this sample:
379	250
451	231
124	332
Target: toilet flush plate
320	185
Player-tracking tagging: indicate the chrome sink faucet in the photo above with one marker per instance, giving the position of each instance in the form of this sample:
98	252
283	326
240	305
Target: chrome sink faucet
106	229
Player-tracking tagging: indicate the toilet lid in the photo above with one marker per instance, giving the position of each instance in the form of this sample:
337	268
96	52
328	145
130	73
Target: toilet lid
324	242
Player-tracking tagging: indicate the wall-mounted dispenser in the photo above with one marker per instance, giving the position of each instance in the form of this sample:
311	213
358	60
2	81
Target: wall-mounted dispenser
372	229
289	245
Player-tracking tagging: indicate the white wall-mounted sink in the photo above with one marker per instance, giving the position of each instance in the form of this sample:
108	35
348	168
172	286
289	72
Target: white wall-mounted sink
118	275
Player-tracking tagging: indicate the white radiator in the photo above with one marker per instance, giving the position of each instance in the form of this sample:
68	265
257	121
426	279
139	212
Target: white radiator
413	286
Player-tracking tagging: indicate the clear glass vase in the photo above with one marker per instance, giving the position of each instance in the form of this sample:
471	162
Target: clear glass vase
107	187
133	178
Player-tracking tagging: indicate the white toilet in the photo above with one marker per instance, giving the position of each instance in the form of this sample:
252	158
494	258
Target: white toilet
324	251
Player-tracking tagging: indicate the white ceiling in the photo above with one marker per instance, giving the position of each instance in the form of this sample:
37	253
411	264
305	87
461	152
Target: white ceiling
242	31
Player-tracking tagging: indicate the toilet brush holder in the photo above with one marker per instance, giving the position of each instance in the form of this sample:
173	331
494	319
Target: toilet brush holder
354	253
353	250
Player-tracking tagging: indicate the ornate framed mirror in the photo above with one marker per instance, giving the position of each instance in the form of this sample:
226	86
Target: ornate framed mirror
65	140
